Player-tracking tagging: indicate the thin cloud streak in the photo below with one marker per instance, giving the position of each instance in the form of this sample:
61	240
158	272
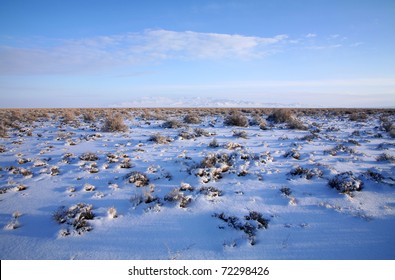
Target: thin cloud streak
106	52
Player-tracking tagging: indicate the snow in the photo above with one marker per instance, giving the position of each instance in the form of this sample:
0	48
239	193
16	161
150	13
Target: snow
314	221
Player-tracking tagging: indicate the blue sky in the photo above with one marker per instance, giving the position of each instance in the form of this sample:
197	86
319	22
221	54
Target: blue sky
95	53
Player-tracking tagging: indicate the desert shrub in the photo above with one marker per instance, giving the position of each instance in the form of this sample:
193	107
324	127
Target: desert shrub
386	157
240	134
292	154
235	118
306	172
233	146
177	196
374	175
201	132
2	149
112	212
385	146
89	187
216	160
358	117
172	124
390	128
192	119
252	222
68	116
138	178
3	130
296	124
281	116
339	149
114	123
213	143
187	134
210	192
286	191
259	121
76	217
159	139
89	116
89	156
346	183
286	116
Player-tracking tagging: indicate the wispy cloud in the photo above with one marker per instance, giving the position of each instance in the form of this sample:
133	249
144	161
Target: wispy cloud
311	35
97	53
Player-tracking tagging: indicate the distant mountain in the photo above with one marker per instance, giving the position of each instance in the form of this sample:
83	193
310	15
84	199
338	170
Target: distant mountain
197	102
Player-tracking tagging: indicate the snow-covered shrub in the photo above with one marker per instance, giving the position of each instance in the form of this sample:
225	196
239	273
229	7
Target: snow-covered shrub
292	154
216	160
210	192
138	178
3	130
286	116
172	124
346	183
240	134
213	143
233	146
112	212
89	187
252	222
296	124
76	216
286	191
159	139
114	123
54	170
306	172
89	156
281	116
386	157
89	116
177	196
339	149
2	149
358	117
192	119
235	118
202	132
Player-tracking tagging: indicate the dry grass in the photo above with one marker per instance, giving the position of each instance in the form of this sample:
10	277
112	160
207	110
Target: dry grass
114	123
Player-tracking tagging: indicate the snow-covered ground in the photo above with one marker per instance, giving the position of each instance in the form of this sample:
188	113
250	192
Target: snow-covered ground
265	195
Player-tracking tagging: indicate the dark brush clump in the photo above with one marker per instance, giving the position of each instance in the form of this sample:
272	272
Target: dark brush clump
346	183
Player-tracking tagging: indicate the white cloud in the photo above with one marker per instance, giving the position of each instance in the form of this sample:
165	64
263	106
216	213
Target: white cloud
92	54
311	35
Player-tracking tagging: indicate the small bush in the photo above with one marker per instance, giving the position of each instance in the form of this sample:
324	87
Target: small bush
89	156
159	139
339	149
213	143
114	123
3	130
346	183
236	119
386	157
76	216
138	178
89	116
240	134
281	116
306	172
211	192
292	154
192	119
286	191
358	117
112	213
172	124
